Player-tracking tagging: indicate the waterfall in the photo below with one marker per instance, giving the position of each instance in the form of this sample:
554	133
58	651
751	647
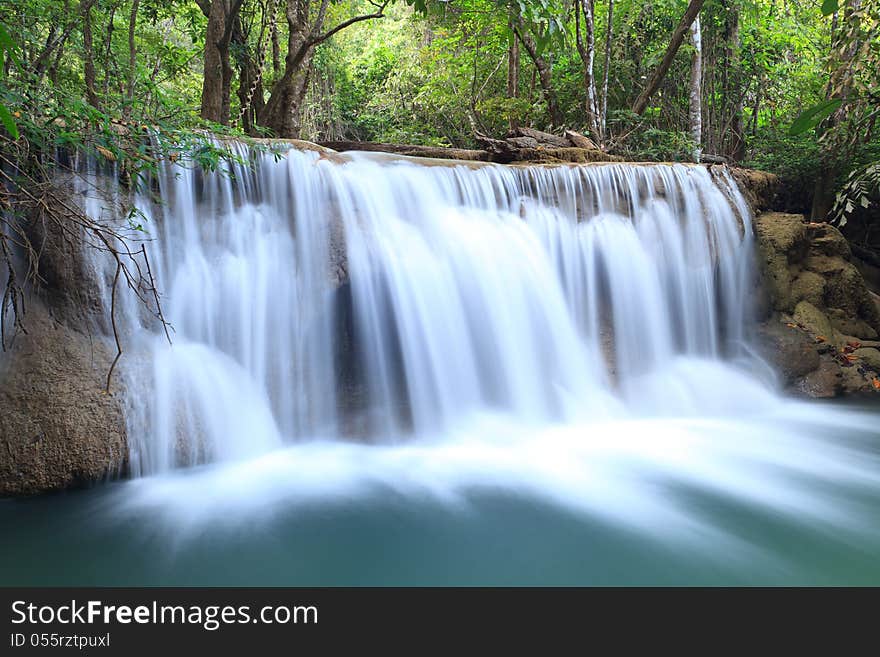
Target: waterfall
377	299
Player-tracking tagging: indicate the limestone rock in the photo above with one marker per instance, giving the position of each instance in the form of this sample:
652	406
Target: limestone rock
827	240
869	356
824	382
808	286
807	279
782	241
791	351
760	188
851	326
784	233
813	319
58	427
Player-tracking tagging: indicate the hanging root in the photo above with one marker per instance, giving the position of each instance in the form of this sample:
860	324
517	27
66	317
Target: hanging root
26	196
115	330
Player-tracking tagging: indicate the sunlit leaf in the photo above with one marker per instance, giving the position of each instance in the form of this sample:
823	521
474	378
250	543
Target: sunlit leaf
829	7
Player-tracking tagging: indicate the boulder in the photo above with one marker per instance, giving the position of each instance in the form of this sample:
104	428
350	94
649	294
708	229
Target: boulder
815	321
869	356
781	242
790	350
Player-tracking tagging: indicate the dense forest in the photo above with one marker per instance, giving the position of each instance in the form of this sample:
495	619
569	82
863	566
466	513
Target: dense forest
786	86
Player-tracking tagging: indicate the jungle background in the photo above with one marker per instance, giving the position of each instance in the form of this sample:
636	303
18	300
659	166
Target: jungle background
787	86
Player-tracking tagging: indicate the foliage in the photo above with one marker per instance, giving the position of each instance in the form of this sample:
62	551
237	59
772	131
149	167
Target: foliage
861	189
435	72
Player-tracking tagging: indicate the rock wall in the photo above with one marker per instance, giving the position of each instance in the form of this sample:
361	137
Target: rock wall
820	322
59	428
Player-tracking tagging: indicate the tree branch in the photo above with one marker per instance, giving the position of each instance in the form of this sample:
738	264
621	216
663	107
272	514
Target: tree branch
314	41
674	43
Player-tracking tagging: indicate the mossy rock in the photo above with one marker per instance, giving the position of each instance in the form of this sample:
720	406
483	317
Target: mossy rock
783	233
808	286
869	356
813	319
851	326
827	240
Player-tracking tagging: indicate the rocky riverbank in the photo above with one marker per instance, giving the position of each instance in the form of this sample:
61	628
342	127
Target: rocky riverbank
819	320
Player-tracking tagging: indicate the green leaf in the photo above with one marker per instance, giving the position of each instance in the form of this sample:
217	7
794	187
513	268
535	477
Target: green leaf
8	122
7	44
810	118
829	7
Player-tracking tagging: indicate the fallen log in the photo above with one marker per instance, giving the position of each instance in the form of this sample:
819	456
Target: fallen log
579	140
542	138
412	150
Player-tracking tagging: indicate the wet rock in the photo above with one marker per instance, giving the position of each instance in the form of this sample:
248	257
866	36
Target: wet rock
792	351
785	234
809	283
782	242
824	382
760	188
808	286
813	319
869	356
58	427
848	325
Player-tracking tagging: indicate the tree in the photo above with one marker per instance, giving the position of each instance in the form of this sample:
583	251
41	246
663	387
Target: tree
690	14
695	109
512	69
609	36
283	111
732	88
222	16
587	52
542	67
852	101
88	56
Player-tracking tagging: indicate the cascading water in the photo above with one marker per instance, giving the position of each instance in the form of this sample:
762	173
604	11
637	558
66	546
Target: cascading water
365	346
378	298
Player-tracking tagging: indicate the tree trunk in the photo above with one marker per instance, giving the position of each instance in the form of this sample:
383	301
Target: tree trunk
132	58
695	109
283	112
609	36
108	42
55	41
512	72
675	41
89	57
587	52
545	77
248	74
737	149
217	78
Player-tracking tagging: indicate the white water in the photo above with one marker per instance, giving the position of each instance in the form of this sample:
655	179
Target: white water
576	333
545	295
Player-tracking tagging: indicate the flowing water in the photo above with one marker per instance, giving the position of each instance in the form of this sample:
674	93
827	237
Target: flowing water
388	371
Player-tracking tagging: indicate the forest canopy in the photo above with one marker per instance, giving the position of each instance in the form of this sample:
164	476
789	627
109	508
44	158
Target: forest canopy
784	85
